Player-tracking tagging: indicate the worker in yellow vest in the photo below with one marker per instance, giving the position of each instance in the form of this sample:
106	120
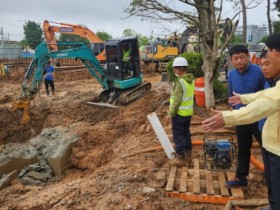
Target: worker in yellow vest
126	61
181	108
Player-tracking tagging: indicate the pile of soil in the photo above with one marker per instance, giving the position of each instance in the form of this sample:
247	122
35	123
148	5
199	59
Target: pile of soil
100	176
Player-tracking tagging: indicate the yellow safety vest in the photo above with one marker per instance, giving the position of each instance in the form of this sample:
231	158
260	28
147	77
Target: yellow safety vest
126	55
186	106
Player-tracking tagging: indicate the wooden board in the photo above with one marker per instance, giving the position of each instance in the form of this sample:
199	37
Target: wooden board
171	179
183	180
194	183
236	192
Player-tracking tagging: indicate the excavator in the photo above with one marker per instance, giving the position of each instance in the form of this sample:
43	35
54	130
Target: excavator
155	55
81	30
121	82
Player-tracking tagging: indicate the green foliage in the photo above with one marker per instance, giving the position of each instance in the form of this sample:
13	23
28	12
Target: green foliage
130	32
103	35
263	39
219	89
33	34
195	62
71	38
143	40
23	44
276	26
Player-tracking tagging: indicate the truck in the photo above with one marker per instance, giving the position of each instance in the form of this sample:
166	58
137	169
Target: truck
120	85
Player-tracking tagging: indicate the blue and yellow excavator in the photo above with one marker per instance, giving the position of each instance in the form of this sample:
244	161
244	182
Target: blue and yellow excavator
121	80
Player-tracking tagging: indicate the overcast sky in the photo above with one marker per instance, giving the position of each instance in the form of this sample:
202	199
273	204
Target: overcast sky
98	15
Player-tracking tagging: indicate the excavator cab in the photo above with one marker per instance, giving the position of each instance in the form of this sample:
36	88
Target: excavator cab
122	58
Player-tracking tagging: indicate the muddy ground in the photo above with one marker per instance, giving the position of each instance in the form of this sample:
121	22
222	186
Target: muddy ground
100	176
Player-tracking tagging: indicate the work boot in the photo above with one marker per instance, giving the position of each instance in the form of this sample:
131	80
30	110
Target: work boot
180	156
236	183
53	92
188	155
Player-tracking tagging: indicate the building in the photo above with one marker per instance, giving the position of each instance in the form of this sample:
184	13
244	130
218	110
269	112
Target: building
254	33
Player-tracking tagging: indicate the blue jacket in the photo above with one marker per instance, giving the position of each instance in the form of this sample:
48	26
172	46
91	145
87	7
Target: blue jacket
49	73
249	81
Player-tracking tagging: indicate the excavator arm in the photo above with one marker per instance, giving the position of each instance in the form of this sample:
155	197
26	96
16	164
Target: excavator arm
35	70
119	87
80	30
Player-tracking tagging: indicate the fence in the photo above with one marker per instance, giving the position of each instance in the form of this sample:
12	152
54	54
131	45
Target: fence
10	53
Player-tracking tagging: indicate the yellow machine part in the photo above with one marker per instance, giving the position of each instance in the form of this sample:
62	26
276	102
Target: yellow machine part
164	53
24	105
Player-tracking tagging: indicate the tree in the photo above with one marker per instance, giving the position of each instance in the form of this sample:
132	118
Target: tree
143	40
71	38
23	44
268	17
276	26
277	6
244	15
130	32
241	7
33	34
103	35
205	15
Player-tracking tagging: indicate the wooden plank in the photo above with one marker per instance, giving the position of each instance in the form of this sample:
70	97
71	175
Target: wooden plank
171	179
196	177
222	180
183	180
236	192
209	183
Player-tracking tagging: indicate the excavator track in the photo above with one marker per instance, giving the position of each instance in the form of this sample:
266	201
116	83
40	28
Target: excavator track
131	95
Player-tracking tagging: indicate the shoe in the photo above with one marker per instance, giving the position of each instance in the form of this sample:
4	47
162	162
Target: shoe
188	155
180	156
266	208
236	183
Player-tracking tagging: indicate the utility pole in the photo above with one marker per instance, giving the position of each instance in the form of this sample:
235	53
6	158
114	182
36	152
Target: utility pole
2	37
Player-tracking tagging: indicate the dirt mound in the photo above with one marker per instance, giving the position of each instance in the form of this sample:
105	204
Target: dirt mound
103	175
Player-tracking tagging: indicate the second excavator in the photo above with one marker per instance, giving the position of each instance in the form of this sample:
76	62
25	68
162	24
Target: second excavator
121	79
97	44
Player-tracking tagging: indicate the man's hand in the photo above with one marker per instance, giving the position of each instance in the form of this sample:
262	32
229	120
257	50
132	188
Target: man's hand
235	99
213	123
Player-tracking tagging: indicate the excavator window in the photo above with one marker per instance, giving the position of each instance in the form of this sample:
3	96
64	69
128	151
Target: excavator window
97	48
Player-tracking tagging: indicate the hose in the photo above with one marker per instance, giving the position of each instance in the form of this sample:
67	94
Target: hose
253	160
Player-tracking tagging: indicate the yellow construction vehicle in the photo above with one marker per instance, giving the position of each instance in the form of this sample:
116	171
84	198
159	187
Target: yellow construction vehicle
156	54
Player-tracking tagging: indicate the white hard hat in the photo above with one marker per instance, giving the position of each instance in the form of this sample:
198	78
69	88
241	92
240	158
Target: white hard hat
180	61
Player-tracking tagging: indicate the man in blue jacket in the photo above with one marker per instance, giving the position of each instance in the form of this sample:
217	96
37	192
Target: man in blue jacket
49	74
245	78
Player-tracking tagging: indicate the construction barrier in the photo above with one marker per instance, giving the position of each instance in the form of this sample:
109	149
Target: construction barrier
199	92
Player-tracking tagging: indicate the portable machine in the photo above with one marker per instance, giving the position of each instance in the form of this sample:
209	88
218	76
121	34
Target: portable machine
219	152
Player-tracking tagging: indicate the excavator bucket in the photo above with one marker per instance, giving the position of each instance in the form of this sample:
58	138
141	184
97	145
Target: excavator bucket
23	105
